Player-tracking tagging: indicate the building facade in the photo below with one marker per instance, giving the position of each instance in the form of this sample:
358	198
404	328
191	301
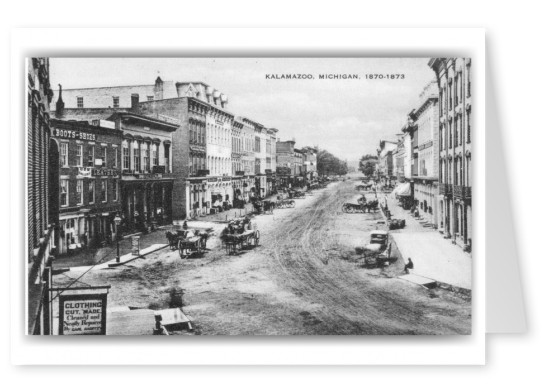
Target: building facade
42	211
146	170
453	77
386	166
214	153
89	182
285	163
425	178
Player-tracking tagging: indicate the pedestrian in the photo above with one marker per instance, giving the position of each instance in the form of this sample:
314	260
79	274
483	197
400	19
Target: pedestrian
408	266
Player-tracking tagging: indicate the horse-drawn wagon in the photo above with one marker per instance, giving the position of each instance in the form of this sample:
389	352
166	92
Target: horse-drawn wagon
361	207
264	207
280	204
240	234
188	242
378	250
296	194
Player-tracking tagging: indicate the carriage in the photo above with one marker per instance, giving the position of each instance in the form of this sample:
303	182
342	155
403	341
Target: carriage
378	250
362	207
297	194
188	242
363	187
396	224
281	204
238	235
264	207
354	208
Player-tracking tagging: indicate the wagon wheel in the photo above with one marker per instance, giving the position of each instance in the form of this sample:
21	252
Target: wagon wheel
228	247
181	248
292	204
345	208
198	248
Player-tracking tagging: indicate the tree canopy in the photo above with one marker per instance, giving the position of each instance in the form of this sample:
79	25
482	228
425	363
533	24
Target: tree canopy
368	164
328	164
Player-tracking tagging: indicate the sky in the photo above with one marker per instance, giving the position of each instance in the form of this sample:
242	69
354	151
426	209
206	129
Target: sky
347	117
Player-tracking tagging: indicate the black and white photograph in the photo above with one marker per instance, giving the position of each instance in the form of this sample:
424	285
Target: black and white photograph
249	196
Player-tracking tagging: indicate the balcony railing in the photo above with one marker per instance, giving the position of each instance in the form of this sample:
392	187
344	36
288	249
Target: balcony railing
445	189
462	192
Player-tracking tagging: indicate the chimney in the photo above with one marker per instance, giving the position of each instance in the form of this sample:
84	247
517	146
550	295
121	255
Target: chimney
158	90
59	105
134	101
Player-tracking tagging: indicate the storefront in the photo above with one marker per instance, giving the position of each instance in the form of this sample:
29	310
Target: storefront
404	194
198	197
239	191
219	193
146	201
426	200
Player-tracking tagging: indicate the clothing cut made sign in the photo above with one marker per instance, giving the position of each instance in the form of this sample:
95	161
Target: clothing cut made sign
83	314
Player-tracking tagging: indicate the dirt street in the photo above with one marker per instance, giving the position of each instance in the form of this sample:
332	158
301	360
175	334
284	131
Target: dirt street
304	278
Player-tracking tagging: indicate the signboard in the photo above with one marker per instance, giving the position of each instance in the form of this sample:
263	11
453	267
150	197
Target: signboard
83	314
64	133
135	245
158	169
240	173
104	172
85	172
283	170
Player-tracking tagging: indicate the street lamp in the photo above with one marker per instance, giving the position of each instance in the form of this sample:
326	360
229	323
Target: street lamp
117	223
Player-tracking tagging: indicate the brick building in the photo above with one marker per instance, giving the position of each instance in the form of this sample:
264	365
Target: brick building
453	77
42	156
285	160
89	182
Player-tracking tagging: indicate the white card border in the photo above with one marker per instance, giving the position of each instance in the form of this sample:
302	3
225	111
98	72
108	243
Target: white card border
329	42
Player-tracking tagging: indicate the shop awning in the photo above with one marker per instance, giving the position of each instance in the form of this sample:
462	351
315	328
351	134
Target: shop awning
403	190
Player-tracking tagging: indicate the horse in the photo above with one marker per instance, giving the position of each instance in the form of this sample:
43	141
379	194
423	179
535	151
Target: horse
372	205
269	206
172	238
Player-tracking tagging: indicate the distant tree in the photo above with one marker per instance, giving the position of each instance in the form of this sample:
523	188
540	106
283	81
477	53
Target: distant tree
328	164
368	164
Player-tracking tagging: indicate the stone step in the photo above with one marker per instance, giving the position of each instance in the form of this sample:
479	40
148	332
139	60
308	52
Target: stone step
419	280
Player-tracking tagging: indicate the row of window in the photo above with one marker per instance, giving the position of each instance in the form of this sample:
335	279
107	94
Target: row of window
116	101
197	134
218	135
143	156
459	170
196	163
453	94
90	188
85	155
456	136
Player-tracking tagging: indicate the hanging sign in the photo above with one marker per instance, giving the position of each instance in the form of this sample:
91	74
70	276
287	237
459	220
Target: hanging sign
83	314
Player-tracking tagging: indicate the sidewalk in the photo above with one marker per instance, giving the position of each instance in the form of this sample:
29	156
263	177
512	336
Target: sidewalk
433	256
90	257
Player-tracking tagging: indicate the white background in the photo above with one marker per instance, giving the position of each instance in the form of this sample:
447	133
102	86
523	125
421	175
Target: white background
519	52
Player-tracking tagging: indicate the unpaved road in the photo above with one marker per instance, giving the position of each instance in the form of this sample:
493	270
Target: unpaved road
304	278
